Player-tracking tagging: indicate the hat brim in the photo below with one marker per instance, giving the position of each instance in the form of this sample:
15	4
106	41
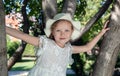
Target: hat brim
76	24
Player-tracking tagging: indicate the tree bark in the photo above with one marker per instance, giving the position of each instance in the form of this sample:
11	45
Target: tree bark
49	9
69	6
110	46
3	52
18	54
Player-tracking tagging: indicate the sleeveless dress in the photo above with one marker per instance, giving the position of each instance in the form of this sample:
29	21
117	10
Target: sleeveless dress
52	60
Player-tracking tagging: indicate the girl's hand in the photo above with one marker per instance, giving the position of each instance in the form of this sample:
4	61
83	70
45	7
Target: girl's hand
89	52
105	28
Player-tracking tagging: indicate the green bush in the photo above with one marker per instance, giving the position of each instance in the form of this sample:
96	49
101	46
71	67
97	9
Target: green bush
11	47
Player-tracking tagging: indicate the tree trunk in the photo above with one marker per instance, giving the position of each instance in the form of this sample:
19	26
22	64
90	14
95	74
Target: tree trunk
69	6
110	47
3	52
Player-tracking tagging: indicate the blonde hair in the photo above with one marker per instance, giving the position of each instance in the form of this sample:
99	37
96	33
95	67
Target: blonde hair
55	24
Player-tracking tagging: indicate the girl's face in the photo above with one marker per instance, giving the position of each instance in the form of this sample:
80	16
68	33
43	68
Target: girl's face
62	32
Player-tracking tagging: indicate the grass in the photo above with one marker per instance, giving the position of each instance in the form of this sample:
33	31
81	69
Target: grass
29	50
25	64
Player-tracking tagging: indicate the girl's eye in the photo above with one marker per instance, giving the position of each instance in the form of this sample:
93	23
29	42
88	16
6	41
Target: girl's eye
67	30
57	30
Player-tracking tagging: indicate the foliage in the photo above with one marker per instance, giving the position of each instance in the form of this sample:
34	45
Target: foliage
29	50
11	46
34	11
80	9
118	62
91	11
12	5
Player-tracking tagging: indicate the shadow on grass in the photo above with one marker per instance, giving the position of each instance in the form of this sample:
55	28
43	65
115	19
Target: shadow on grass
25	64
70	75
21	68
26	60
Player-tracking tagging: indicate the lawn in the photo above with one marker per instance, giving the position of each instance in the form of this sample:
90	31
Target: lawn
25	64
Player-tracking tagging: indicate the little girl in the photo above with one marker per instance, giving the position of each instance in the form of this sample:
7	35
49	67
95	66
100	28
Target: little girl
54	49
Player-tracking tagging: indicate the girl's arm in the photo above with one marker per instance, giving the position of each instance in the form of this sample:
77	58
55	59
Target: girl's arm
20	35
92	43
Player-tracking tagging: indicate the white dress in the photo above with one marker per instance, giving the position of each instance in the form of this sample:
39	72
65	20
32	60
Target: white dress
52	60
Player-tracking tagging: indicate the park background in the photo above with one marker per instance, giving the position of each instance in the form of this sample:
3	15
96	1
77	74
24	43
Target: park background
18	10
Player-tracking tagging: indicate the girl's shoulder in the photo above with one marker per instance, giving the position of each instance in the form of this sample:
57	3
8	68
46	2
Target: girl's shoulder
44	39
42	36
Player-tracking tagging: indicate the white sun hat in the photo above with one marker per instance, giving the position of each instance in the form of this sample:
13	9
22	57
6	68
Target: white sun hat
76	24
